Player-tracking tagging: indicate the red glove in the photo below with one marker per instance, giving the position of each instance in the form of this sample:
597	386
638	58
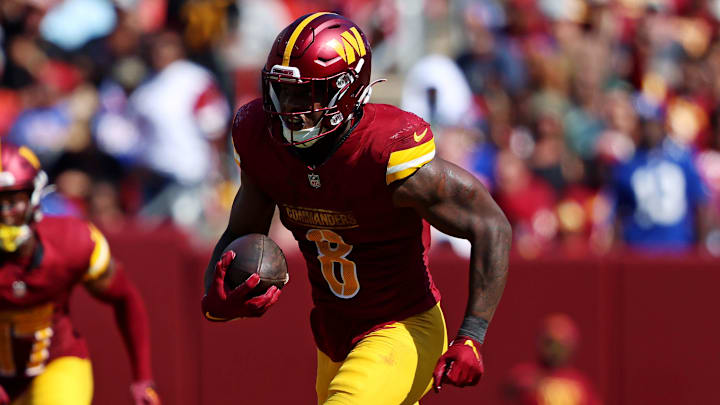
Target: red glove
220	305
4	399
461	365
143	393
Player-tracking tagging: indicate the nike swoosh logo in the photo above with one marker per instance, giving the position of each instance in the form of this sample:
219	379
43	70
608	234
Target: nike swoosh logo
419	138
470	343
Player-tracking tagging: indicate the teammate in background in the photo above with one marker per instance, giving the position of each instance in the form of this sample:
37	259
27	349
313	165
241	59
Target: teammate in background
43	360
359	187
551	380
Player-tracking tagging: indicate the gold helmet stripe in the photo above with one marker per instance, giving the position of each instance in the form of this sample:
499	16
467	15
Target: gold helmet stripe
30	156
296	34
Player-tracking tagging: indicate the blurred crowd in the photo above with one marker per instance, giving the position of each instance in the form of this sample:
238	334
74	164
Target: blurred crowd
594	123
128	102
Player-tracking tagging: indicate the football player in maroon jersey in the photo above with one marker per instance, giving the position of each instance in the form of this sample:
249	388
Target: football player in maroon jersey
43	360
359	185
551	380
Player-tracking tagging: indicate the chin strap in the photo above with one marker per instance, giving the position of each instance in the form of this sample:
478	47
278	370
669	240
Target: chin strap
367	92
303	134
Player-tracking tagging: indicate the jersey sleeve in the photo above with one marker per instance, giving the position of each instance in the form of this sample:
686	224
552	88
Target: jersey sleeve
248	124
99	260
409	150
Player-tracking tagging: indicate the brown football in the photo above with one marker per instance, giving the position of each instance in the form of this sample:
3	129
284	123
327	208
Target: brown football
256	253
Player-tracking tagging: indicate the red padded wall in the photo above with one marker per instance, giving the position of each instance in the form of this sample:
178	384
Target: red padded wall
648	328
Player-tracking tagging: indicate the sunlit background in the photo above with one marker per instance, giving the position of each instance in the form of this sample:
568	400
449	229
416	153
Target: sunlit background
594	123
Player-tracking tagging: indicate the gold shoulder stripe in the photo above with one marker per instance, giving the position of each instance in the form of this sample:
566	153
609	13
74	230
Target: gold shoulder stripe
100	257
403	163
296	34
402	156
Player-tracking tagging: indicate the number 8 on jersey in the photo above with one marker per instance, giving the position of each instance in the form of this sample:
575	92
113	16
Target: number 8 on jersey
332	249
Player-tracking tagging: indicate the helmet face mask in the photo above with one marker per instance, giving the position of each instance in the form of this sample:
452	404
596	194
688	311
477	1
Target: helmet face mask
14	206
314	78
305	107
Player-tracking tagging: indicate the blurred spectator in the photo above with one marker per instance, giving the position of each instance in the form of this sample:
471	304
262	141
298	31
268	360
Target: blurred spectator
245	50
498	134
47	121
490	60
180	112
583	121
584	221
551	380
436	90
661	202
116	129
549	158
72	23
528	202
708	165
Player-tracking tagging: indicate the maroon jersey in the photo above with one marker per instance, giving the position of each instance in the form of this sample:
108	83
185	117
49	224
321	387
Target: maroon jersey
366	258
35	325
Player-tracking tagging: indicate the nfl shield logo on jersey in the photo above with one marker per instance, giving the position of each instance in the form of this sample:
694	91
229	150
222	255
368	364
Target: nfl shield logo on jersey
314	180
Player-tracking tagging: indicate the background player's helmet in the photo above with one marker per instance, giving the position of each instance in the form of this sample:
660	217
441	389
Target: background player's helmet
327	57
558	338
20	170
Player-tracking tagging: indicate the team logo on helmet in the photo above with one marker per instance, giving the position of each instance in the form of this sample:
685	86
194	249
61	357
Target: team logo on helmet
351	44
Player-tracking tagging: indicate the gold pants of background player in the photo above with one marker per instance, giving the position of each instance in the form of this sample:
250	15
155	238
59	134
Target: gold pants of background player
65	381
390	366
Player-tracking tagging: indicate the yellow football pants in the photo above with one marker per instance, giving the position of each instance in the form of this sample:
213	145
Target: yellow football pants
390	366
65	381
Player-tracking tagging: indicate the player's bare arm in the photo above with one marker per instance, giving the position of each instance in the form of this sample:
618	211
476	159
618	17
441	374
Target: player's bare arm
251	212
456	203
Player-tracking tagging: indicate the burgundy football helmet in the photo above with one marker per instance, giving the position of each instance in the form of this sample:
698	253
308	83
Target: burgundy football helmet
325	58
20	170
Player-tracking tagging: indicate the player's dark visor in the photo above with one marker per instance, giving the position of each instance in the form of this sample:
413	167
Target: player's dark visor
289	94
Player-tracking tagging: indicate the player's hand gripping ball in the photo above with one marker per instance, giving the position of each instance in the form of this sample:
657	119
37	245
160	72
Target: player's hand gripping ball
461	365
256	254
238	276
